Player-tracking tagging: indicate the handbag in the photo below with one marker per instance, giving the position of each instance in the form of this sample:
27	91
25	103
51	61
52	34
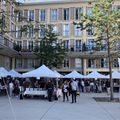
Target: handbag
78	93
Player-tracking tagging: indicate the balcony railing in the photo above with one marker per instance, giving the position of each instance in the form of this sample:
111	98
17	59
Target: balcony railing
6	42
75	48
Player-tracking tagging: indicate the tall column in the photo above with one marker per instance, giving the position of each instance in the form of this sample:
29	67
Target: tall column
84	66
13	63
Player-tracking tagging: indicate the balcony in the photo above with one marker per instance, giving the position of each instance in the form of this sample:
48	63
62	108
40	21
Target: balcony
7	47
73	51
91	51
26	51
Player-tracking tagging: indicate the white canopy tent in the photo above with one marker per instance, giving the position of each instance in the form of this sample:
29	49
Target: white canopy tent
96	75
74	74
42	71
15	73
58	74
115	75
4	72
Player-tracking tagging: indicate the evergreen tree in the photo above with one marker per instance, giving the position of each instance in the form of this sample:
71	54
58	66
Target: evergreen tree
50	51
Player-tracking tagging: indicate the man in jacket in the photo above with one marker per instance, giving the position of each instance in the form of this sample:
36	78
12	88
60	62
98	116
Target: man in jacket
50	89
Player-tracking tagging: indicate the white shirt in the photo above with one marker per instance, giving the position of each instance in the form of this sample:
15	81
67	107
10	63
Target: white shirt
83	83
74	85
11	85
65	88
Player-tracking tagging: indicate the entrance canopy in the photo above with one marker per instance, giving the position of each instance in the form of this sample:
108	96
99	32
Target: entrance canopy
96	75
42	71
74	74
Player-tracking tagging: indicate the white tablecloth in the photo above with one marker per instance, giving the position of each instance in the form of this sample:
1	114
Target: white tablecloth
36	92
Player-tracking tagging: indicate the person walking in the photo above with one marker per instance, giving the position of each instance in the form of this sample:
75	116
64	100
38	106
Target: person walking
11	87
74	87
65	91
82	85
50	89
108	87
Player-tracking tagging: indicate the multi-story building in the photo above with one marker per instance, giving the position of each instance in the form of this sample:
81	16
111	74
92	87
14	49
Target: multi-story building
61	14
7	34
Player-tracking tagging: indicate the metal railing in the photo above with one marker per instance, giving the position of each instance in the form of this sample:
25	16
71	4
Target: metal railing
6	42
73	48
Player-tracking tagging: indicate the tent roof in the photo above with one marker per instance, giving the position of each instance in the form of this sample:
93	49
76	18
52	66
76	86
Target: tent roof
58	74
4	72
115	75
95	74
74	74
15	73
42	71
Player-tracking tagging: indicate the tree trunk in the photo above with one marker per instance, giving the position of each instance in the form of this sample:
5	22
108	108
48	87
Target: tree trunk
111	81
110	72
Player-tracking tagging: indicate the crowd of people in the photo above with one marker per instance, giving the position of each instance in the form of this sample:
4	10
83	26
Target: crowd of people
68	89
10	86
64	90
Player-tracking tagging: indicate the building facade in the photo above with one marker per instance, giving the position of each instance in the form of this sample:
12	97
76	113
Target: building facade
7	34
61	15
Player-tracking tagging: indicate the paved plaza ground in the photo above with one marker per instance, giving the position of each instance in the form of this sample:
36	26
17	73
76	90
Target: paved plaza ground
86	108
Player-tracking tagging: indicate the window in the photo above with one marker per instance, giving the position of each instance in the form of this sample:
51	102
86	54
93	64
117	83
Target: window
116	7
55	29
3	2
3	5
66	30
12	27
78	11
54	14
117	45
3	22
90	44
25	63
19	43
30	63
78	63
31	15
78	31
89	11
90	30
19	16
24	45
115	63
66	63
30	32
104	63
42	31
66	44
18	32
30	45
18	63
42	15
66	14
12	12
78	45
91	63
104	45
